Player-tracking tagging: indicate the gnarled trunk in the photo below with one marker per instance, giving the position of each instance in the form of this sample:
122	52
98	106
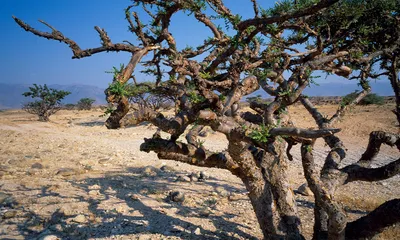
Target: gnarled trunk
114	120
44	117
265	177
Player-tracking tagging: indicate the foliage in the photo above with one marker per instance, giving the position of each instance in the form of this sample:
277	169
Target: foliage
49	103
116	71
370	99
262	134
69	106
85	103
110	109
117	88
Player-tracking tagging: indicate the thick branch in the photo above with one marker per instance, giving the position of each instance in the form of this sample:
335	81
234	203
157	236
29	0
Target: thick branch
303	133
376	139
368	226
337	218
189	154
356	172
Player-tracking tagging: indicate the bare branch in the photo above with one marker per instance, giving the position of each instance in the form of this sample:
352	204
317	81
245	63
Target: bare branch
77	51
356	172
303	133
281	18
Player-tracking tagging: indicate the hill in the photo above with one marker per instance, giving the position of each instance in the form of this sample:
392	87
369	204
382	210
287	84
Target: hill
11	94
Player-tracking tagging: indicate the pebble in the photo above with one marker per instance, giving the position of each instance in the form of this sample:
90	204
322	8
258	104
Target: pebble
49	237
176	196
183	179
94	193
304	190
65	172
94	187
9	214
37	166
104	160
222	192
167	168
149	171
134	197
235	197
203	176
80	219
197	231
205	212
6	200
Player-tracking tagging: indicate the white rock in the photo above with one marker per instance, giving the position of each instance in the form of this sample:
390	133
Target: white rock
197	231
80	219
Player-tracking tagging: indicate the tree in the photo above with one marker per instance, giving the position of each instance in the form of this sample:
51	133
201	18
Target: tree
370	98
146	99
343	38
85	103
49	104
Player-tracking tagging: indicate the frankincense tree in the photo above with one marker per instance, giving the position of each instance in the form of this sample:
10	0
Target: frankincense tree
277	50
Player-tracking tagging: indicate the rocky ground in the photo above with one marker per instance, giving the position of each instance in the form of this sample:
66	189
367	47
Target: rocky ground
71	178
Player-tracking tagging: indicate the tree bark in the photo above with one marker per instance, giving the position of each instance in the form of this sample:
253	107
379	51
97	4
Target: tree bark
265	177
373	223
114	121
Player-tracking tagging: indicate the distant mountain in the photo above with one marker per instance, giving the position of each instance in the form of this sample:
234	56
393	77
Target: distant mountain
11	94
382	88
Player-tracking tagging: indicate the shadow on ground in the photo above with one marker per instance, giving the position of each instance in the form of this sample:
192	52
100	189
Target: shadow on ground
126	203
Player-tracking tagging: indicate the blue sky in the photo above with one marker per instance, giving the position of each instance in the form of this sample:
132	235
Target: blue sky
26	58
29	59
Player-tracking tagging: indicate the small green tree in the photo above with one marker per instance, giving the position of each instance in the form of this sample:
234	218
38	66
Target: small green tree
49	103
85	103
371	98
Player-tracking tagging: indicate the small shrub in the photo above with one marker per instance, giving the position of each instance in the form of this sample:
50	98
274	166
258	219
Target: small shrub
69	106
85	104
49	103
371	98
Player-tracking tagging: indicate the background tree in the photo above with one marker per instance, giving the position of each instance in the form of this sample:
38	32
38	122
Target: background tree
85	103
343	38
370	98
49	103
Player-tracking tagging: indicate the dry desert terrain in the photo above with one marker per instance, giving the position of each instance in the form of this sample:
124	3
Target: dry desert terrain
71	178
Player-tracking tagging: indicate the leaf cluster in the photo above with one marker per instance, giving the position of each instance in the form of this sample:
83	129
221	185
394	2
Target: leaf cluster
85	103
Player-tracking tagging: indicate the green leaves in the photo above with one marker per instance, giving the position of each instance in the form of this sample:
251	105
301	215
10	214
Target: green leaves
48	95
262	134
115	71
195	98
49	103
117	88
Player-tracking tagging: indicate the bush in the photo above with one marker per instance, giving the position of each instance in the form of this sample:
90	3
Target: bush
85	104
69	106
49	103
371	98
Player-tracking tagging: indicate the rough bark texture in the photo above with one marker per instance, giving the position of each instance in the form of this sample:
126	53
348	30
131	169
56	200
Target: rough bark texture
265	177
368	226
114	120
